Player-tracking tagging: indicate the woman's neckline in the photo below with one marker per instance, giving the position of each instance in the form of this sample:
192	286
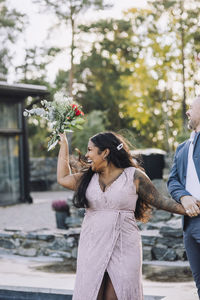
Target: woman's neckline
109	185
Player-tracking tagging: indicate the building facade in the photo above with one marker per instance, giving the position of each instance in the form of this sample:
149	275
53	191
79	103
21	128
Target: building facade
14	156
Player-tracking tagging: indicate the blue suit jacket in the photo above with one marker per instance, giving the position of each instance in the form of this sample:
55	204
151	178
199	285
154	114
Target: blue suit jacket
177	178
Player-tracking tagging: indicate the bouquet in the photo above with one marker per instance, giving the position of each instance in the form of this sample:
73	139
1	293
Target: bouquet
62	113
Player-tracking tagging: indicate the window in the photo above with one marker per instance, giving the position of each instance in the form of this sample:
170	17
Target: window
10	115
9	169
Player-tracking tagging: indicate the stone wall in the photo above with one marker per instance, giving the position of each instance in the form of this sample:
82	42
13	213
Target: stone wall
161	243
43	174
58	243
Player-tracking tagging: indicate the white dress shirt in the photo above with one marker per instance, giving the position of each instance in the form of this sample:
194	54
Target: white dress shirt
192	180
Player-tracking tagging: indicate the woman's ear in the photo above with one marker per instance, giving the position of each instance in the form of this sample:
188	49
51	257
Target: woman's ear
106	153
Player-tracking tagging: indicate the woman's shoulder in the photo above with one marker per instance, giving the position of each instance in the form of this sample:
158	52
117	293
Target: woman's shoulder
130	171
135	172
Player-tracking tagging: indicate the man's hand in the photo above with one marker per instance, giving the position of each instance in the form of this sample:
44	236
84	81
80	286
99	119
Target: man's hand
191	205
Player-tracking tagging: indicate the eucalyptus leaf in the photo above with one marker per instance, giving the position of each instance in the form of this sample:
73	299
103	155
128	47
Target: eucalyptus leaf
52	145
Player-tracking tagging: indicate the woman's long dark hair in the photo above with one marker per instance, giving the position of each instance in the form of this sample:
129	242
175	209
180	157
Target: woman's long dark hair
120	159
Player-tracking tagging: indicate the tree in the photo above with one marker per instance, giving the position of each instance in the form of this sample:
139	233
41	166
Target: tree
67	14
99	74
133	73
34	68
160	70
96	121
11	25
183	19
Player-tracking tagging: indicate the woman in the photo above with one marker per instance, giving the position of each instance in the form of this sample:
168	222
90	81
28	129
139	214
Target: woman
115	192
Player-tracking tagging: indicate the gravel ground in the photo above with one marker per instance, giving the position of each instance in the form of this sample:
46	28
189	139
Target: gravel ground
37	215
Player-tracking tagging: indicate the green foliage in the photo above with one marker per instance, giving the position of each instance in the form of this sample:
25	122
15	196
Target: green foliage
182	27
130	76
67	15
96	121
34	68
100	71
12	23
38	138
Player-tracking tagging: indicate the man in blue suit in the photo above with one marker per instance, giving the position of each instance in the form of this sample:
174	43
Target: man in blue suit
184	187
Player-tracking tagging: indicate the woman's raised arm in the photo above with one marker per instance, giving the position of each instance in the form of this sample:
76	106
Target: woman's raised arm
147	191
64	176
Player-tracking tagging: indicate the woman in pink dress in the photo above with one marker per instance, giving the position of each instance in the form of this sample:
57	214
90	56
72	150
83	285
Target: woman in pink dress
115	192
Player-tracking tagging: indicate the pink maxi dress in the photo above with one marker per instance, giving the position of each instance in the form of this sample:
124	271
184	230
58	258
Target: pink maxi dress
110	241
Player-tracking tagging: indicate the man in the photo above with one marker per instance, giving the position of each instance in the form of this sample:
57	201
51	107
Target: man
184	187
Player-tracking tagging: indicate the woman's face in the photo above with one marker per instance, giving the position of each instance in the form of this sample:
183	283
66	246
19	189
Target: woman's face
95	157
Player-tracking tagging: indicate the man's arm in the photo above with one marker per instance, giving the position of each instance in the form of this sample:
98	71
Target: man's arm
180	194
176	189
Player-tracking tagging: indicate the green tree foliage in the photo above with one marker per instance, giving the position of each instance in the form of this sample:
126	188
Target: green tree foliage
182	26
136	73
11	24
34	68
99	74
67	13
155	93
96	121
148	102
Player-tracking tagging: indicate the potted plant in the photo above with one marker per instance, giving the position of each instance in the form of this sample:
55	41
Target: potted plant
62	211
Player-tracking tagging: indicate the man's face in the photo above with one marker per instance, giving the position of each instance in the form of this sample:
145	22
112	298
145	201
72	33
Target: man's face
193	115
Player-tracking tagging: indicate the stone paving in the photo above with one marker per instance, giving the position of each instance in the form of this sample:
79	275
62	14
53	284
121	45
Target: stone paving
34	216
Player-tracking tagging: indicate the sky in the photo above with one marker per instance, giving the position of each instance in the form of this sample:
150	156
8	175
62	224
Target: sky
36	31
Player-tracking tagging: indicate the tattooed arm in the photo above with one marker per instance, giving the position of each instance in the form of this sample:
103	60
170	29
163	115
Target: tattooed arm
147	191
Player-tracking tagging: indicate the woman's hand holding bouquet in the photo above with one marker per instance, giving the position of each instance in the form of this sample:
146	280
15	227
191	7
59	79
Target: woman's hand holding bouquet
62	113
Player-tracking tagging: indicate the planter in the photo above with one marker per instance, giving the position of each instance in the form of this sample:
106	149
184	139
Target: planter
60	219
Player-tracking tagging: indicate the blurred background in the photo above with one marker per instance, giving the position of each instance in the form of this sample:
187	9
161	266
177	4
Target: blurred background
132	65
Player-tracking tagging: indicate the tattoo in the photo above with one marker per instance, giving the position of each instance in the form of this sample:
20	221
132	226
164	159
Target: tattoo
148	193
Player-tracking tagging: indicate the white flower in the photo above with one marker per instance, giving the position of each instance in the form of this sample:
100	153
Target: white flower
69	100
58	97
25	114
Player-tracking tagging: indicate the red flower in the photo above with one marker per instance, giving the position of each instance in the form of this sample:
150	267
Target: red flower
75	107
78	112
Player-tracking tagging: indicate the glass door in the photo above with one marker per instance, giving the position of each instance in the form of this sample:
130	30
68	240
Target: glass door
9	169
10	162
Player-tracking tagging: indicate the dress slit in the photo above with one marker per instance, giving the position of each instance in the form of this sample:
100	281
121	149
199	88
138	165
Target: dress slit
110	276
114	286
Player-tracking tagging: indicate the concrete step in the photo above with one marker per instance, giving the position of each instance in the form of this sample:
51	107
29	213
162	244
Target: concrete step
27	293
170	271
30	293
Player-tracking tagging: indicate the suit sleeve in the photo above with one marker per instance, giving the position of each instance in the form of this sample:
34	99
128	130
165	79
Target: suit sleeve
176	189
